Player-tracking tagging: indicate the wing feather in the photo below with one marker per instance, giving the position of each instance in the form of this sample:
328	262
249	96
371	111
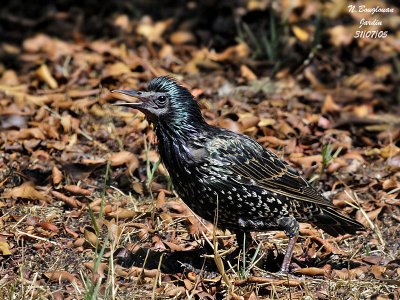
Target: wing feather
248	163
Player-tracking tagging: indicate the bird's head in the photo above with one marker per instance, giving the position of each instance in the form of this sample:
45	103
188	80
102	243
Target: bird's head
164	101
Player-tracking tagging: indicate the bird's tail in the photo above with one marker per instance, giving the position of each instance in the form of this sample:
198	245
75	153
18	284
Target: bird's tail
334	223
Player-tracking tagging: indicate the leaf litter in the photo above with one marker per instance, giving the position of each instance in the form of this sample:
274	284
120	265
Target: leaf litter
86	210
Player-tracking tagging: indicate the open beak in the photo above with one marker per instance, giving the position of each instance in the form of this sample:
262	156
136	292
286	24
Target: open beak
131	93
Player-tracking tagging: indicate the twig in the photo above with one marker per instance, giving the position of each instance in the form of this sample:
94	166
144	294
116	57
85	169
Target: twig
370	223
36	237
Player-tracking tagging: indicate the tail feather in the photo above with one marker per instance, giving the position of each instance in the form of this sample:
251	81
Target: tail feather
334	223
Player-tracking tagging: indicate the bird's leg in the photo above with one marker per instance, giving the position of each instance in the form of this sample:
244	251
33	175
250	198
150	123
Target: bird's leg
291	227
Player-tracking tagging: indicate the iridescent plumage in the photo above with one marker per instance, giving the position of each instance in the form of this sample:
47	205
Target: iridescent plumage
212	168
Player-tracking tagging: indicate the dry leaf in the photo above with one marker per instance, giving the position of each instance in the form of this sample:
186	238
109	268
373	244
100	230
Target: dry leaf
116	69
182	37
122	21
300	33
48	226
153	31
247	73
122	213
60	276
44	74
389	151
91	237
27	191
312	271
71	201
330	105
5	248
77	190
56	175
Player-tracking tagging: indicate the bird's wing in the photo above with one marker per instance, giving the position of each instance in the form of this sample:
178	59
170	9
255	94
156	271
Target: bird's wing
246	162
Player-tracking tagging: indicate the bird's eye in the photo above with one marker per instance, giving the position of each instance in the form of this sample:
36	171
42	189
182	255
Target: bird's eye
161	100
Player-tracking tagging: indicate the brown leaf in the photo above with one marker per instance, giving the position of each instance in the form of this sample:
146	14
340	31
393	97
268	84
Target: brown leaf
77	190
267	280
5	248
248	120
312	271
90	236
341	274
330	105
66	123
174	291
125	157
363	110
60	276
122	213
122	21
153	31
160	199
300	33
390	151
371	214
167	219
27	191
247	73
182	37
377	271
101	268
44	73
71	201
115	70
266	122
306	161
27	133
49	226
9	77
229	124
341	35
56	175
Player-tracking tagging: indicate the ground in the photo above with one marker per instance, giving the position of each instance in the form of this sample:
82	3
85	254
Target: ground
88	212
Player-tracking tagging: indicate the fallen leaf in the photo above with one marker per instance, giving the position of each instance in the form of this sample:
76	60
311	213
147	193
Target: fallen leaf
44	74
182	37
329	105
153	31
60	276
27	191
312	271
5	248
56	175
247	73
77	190
70	201
300	33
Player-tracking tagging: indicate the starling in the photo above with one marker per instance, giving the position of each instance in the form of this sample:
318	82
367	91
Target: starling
217	170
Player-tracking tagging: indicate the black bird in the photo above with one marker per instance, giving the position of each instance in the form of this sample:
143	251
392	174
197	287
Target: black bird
213	168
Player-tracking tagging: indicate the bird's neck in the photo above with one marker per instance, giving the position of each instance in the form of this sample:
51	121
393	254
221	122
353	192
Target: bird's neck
180	130
176	138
